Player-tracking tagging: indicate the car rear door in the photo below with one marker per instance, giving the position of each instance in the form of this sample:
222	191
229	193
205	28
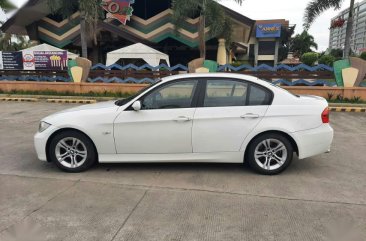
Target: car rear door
163	125
227	112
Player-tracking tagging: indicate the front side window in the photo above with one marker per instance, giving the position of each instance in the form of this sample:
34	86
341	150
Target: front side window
171	96
221	93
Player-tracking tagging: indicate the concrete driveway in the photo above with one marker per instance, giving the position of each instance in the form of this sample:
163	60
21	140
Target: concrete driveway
320	198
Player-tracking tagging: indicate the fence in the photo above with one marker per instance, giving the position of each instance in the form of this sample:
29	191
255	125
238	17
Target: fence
301	75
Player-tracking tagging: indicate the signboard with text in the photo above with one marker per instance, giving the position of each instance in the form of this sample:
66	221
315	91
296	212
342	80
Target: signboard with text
50	60
33	60
12	60
272	30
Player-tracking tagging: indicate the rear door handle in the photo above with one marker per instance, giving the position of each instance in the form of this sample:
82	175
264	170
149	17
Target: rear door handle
250	116
182	119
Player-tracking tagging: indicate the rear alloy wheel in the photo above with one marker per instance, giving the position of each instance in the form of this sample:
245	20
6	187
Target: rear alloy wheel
72	151
270	154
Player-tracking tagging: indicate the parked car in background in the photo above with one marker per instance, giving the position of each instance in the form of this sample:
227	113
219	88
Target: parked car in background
215	117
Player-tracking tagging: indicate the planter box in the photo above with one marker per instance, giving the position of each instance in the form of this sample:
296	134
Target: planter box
8	86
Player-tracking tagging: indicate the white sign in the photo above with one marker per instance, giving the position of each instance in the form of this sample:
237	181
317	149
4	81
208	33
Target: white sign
28	60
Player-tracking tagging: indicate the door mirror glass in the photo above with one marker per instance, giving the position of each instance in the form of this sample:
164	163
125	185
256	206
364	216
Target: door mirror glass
136	106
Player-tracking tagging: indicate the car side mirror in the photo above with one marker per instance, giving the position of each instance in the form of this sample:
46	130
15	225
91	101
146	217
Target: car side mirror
136	105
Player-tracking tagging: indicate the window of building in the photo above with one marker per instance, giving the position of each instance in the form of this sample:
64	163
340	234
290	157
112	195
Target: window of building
267	48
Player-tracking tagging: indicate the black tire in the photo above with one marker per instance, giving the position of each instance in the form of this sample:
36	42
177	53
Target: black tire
275	139
90	157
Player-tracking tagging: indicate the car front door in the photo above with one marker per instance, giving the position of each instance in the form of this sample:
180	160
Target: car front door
227	112
163	125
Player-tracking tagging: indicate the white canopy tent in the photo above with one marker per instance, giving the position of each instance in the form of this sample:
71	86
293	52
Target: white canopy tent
46	47
137	51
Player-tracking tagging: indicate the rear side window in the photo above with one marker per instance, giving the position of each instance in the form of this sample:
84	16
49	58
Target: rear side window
220	93
259	96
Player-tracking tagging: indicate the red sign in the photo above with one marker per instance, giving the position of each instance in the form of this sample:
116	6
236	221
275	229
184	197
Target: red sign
118	9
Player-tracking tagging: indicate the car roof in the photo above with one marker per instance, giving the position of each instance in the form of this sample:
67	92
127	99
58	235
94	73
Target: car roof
218	75
210	75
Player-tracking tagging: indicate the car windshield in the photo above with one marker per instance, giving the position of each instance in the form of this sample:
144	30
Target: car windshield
128	99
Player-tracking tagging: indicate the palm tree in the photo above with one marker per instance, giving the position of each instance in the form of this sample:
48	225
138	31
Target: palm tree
90	13
316	7
211	14
6	5
302	43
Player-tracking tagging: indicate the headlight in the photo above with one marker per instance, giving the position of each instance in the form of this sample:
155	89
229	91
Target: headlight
43	126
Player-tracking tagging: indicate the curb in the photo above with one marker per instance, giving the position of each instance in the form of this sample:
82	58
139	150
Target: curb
71	101
45	97
348	109
19	99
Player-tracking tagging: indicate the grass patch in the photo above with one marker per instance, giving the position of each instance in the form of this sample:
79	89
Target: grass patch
67	93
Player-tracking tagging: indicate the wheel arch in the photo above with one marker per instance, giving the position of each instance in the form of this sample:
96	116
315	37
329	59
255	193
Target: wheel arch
286	135
67	129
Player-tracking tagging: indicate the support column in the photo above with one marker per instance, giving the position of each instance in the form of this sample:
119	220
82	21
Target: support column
221	52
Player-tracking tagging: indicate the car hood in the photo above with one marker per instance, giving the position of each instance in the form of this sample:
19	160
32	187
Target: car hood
98	106
95	106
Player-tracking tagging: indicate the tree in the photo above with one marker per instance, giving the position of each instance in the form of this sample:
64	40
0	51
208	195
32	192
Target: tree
317	7
6	6
285	42
302	43
309	58
210	13
363	56
327	60
90	13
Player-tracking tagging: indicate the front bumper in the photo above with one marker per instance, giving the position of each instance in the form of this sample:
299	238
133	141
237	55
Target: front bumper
315	141
40	142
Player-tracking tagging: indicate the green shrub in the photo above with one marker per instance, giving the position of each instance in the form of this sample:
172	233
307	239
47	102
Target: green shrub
240	63
363	56
309	58
327	60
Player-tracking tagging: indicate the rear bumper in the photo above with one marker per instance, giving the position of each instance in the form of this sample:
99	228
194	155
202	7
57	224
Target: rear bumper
315	141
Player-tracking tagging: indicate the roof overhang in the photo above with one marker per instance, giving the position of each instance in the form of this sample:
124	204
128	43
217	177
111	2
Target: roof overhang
31	12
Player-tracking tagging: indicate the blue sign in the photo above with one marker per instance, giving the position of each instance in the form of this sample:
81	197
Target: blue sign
272	30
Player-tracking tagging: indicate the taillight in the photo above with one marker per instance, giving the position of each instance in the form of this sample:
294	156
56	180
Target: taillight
325	115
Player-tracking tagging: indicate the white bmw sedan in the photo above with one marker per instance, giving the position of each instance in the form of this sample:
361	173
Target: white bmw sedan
216	117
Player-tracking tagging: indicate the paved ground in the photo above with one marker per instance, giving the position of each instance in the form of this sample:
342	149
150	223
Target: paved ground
320	198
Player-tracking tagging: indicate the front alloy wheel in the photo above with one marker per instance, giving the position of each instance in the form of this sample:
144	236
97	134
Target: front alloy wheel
270	154
72	151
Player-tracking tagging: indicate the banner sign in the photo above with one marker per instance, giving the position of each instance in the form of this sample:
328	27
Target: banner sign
50	60
272	30
1	60
33	60
118	9
12	60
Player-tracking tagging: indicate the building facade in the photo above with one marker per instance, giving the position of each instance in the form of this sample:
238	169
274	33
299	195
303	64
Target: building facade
358	40
151	24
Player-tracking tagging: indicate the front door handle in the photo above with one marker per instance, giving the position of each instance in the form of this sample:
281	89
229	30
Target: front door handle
250	116
182	119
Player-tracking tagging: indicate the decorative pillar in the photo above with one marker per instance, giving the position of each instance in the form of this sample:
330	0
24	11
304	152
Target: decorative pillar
221	52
